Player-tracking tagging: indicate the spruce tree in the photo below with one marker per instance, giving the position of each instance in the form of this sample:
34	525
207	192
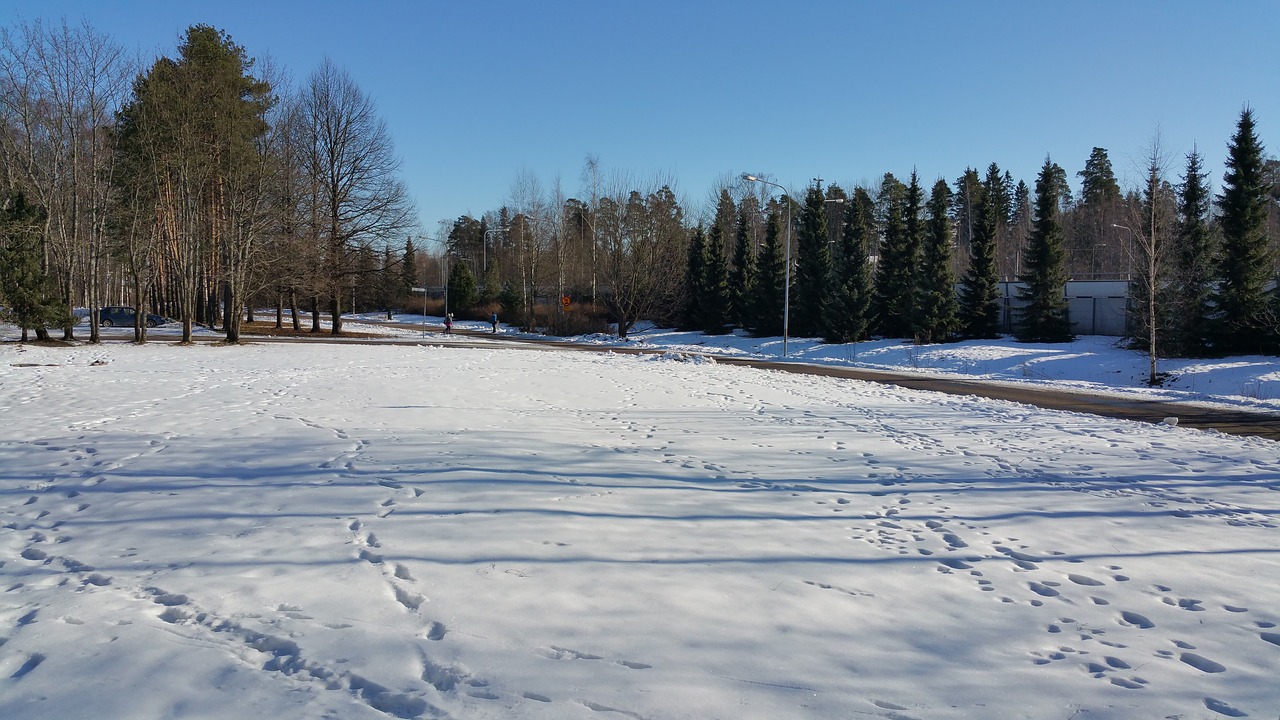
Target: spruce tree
846	315
409	267
691	309
1192	271
935	314
766	301
718	239
742	279
895	268
462	288
979	312
29	296
1242	318
813	266
1043	316
715	286
1019	230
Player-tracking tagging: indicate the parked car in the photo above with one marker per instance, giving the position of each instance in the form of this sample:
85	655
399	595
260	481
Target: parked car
118	315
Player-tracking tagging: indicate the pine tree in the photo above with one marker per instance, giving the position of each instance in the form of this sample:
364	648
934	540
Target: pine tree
847	312
1192	272
895	269
813	266
1100	206
766	301
979	311
742	279
1242	319
1097	180
935	316
1043	316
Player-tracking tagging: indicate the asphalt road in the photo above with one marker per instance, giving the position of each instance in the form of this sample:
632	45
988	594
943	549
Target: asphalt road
1234	422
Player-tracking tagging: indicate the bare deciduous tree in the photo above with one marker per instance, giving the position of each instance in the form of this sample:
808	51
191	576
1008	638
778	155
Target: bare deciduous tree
359	198
61	85
1152	227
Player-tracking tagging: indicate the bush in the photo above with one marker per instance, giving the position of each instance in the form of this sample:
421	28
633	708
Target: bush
581	320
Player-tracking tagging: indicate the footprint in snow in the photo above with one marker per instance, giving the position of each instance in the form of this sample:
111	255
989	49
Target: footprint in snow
1223	708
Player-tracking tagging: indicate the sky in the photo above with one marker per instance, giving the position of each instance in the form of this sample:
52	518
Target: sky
478	94
372	531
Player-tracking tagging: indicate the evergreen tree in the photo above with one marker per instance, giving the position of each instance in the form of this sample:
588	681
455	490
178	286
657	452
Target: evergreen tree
1097	180
846	315
766	301
813	266
462	288
742	280
718	309
1043	316
965	209
1019	231
1242	318
979	310
1192	271
409	267
491	286
935	315
29	296
694	275
511	299
1093	234
194	140
895	269
715	287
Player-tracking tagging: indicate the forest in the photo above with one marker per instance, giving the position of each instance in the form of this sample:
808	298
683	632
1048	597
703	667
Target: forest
208	186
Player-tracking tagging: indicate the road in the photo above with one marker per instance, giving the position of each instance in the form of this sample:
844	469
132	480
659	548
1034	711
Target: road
1234	422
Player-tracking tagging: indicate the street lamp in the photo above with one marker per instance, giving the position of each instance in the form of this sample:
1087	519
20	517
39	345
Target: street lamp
1128	253
484	251
786	290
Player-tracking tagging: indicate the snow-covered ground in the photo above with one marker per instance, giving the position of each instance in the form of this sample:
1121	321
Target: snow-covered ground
376	530
1091	364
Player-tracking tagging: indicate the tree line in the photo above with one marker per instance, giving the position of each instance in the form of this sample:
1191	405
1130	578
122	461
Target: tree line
904	259
192	185
204	184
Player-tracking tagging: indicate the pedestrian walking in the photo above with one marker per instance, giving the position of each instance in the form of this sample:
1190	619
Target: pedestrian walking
448	323
493	320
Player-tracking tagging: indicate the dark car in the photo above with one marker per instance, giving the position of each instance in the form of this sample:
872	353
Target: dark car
118	315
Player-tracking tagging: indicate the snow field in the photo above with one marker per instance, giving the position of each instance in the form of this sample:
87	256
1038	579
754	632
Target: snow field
372	532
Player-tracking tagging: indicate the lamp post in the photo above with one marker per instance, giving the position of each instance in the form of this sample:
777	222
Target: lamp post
1128	253
444	278
786	290
484	249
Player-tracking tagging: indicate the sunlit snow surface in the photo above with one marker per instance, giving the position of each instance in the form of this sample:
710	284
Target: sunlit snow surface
371	531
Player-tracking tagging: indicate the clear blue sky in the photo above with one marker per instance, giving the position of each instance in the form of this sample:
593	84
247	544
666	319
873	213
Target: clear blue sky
700	90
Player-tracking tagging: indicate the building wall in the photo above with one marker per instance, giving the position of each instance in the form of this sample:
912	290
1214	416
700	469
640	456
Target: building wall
1095	307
